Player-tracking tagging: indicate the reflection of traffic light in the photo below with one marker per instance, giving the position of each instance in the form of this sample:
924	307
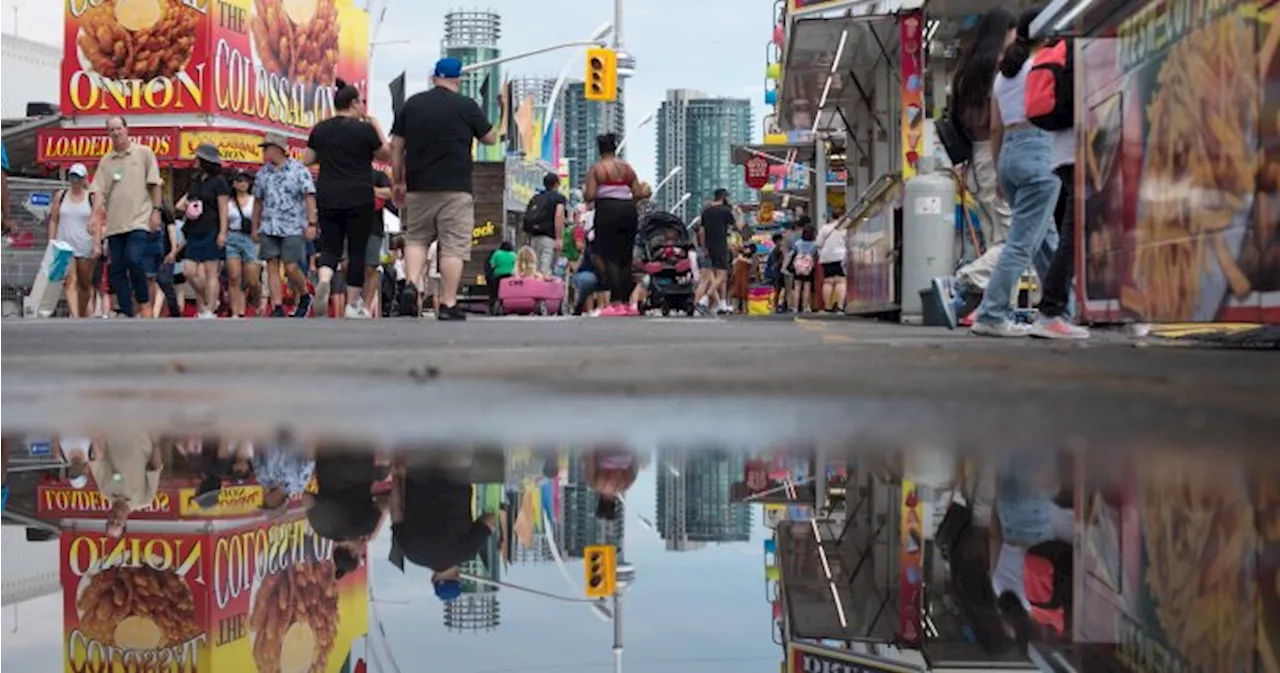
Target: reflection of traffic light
601	565
602	75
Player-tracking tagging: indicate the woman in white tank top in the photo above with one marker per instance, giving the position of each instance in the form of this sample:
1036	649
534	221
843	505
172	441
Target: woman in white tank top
1024	161
71	222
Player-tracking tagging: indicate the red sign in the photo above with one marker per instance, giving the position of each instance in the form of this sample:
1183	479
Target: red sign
757	171
63	501
87	146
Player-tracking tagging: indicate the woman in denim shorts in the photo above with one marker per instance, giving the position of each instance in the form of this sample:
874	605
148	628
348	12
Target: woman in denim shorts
244	270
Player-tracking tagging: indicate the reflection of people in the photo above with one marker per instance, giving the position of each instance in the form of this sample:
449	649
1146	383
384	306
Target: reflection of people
343	508
283	472
432	524
611	473
126	467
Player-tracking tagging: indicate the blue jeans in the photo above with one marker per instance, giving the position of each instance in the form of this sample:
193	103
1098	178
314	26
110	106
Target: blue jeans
1026	175
585	283
126	252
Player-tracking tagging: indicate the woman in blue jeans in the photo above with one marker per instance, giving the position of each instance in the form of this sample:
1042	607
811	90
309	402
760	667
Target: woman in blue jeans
1024	161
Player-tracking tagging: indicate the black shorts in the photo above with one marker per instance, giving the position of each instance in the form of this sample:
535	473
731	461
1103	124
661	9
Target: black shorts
833	270
718	256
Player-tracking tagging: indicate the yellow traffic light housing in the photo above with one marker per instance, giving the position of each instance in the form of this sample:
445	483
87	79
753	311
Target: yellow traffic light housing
600	563
602	75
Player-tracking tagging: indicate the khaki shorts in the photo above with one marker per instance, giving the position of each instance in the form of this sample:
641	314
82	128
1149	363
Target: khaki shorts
447	217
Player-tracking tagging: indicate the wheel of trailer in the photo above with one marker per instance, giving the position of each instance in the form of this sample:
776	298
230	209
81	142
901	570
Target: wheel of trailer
540	308
498	309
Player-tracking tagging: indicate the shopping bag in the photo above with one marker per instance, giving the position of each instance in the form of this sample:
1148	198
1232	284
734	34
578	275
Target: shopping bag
46	289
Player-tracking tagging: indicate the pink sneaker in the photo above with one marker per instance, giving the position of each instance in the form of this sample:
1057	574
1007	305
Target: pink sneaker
632	311
613	311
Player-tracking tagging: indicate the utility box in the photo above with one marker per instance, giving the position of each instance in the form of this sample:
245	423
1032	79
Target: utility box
928	237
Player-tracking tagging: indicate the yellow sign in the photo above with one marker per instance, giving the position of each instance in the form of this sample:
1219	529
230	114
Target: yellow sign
232	501
775	139
244	148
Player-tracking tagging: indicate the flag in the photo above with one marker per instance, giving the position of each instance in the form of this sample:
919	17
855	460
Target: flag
513	130
486	95
397	95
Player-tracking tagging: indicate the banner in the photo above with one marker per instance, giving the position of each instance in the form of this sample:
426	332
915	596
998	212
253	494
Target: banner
88	146
233	501
234	147
138	603
135	56
911	70
523	180
269	61
64	501
813	659
274	603
911	567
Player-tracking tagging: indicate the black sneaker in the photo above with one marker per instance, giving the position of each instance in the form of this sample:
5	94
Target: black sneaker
304	306
454	312
409	301
278	311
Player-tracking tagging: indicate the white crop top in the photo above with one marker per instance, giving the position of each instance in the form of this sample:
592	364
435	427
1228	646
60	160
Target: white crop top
1011	96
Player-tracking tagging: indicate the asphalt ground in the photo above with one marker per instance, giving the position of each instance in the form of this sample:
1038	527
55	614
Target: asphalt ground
731	381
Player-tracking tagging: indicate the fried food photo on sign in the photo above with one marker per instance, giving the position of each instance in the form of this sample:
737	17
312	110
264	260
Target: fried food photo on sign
297	38
1198	527
138	39
1262	248
1201	168
137	608
294	619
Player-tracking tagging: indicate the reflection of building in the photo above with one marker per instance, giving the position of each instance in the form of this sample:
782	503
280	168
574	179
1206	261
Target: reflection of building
694	505
478	607
581	527
33	569
696	132
472	37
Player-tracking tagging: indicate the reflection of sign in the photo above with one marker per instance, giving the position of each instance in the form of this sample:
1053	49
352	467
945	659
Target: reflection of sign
232	501
274	605
911	35
910	583
136	603
235	147
803	658
757	172
68	146
134	61
797	5
67	502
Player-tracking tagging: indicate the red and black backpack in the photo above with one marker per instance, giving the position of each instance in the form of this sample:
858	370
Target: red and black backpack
1051	87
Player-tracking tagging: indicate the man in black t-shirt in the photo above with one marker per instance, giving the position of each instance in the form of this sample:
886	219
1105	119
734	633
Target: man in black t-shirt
343	508
431	142
431	522
713	236
345	146
545	227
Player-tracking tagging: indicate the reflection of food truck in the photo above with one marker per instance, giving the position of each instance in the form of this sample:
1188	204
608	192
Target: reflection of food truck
1178	172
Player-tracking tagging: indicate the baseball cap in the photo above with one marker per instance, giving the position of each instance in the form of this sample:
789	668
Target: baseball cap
448	68
448	590
78	170
276	139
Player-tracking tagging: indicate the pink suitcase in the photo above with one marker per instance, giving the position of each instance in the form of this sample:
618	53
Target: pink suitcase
524	296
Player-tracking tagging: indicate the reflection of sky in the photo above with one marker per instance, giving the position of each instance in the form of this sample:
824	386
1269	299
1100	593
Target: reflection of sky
703	609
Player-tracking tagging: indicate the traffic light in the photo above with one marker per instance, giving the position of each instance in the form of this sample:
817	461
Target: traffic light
602	75
601	566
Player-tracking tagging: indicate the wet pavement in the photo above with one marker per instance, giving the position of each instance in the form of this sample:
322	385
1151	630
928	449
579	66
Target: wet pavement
816	460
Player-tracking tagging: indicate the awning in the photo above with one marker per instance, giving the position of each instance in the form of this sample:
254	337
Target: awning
870	43
1083	17
174	146
20	141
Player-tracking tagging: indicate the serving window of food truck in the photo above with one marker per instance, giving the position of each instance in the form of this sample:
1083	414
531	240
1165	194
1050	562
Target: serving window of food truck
1178	158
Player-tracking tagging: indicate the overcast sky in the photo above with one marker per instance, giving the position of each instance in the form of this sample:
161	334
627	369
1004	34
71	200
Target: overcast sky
716	47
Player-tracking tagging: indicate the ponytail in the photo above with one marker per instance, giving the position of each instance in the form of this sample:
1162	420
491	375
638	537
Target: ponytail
1017	54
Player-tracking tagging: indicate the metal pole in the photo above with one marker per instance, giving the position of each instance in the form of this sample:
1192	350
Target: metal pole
617	631
819	180
617	23
507	59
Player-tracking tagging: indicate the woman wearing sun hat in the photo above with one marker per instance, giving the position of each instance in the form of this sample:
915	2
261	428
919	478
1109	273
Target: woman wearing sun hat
205	208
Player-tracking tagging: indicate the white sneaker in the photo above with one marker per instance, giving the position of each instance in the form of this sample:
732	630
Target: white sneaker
357	312
1057	328
1007	329
322	298
206	315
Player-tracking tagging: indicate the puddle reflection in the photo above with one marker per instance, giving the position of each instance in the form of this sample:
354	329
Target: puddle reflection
208	552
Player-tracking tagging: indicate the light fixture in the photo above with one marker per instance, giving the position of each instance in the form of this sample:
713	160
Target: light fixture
844	37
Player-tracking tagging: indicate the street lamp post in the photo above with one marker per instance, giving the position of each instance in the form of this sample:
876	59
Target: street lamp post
684	199
643	122
593	41
663	182
600	32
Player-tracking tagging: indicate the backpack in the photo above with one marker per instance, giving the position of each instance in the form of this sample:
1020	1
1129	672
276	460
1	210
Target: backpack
1050	98
955	142
803	264
540	215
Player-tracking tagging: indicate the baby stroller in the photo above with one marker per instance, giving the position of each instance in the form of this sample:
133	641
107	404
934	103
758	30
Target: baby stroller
665	248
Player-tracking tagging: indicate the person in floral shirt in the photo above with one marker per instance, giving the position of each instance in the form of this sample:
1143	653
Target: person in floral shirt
283	471
284	219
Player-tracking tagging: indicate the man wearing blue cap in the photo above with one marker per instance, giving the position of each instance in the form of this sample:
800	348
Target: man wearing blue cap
431	143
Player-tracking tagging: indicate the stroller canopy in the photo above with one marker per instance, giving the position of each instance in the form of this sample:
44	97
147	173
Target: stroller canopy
661	222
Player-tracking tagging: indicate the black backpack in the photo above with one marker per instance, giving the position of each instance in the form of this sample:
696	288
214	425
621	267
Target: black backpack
540	215
955	141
